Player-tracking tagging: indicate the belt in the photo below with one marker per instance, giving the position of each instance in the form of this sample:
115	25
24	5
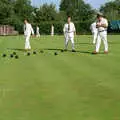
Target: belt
103	31
70	32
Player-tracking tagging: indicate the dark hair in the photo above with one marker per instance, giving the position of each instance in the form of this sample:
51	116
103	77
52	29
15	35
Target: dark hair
69	16
26	20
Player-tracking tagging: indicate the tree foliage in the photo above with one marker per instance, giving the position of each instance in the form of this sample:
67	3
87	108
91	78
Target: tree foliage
111	10
13	12
6	11
78	9
45	13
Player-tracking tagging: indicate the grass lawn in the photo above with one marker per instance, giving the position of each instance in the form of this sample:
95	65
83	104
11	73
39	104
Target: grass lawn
69	86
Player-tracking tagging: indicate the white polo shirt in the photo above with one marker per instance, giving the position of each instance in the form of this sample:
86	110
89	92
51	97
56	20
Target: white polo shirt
28	30
69	29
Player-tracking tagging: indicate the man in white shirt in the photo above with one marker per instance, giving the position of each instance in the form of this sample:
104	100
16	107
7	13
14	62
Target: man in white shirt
28	30
94	31
37	31
69	32
102	25
52	30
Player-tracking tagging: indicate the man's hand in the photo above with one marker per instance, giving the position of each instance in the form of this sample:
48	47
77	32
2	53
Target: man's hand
98	25
101	25
104	25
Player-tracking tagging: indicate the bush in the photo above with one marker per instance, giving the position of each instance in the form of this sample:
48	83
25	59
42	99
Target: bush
45	27
83	27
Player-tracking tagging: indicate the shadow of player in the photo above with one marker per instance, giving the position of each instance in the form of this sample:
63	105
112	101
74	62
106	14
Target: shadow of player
16	49
77	51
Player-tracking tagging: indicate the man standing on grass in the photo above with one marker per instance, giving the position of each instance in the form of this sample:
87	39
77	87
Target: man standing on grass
69	32
94	31
102	25
52	30
28	30
37	31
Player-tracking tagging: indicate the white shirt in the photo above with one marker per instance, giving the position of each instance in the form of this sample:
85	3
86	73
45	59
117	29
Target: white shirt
69	29
52	29
28	30
37	30
93	27
103	21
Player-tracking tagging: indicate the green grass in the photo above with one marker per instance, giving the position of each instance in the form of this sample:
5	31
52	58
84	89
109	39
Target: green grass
70	86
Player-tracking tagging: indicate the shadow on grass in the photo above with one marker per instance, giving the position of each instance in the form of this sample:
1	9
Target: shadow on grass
77	51
16	49
83	43
52	49
57	49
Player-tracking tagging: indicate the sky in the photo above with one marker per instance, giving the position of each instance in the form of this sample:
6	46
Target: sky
94	3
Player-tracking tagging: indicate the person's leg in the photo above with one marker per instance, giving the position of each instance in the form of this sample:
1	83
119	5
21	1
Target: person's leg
104	38
95	37
29	46
72	42
98	43
39	35
66	42
27	43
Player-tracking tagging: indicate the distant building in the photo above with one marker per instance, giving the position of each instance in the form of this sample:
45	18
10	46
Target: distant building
7	30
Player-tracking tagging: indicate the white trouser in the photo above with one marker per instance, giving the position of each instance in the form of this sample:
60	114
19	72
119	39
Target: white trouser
95	35
27	42
52	34
67	38
102	36
38	35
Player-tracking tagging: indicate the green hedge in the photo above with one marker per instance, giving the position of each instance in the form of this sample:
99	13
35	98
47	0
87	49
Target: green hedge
83	27
45	27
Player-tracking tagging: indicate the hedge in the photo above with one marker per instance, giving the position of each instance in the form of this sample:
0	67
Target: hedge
45	27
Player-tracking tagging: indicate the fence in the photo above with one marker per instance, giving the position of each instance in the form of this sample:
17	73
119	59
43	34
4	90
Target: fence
7	30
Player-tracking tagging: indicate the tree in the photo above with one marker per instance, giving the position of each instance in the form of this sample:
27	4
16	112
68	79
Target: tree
111	10
78	9
23	9
15	11
45	13
6	11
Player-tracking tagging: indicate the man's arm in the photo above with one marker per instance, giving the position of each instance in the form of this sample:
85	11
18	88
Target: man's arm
32	30
102	25
24	28
64	31
105	24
